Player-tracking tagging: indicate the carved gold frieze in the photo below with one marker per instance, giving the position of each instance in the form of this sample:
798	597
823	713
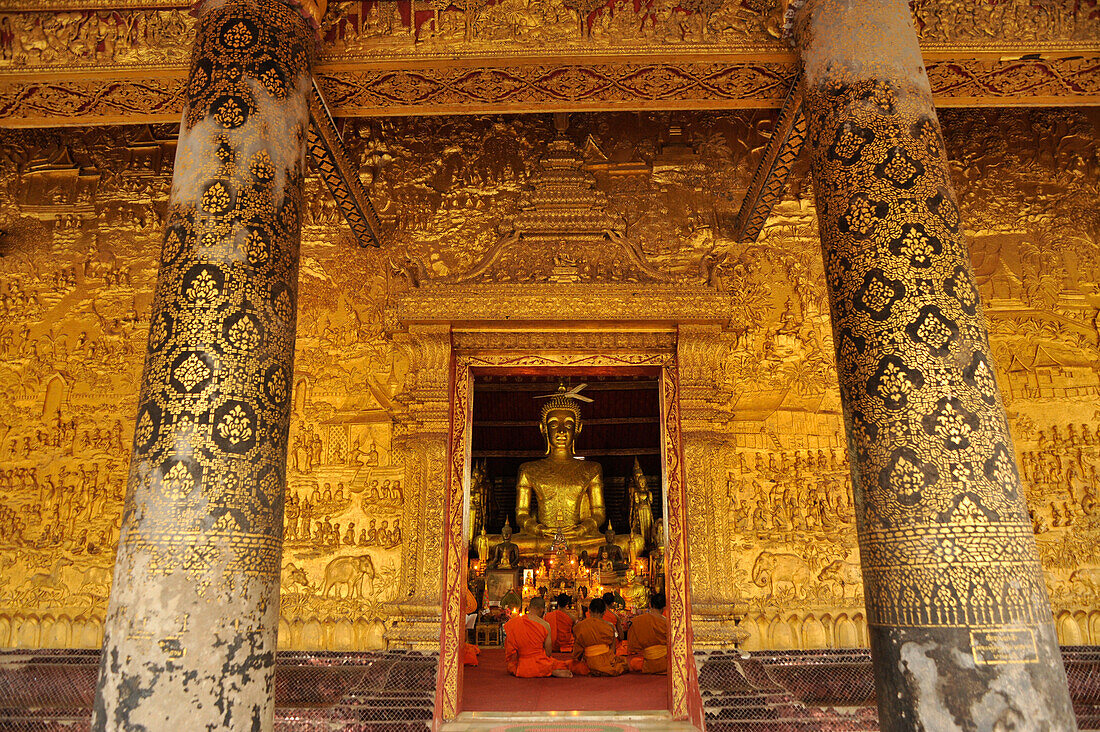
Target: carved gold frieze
767	489
578	302
93	34
104	97
73	63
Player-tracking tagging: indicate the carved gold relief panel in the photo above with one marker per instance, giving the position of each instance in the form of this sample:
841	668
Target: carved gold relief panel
651	200
77	62
142	34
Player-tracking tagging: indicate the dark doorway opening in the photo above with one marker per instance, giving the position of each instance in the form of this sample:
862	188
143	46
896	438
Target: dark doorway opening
621	425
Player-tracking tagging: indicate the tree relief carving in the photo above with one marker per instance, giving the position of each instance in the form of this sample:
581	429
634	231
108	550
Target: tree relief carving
82	213
352	29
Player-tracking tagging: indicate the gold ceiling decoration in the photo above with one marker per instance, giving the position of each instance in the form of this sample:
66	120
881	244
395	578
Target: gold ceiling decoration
126	63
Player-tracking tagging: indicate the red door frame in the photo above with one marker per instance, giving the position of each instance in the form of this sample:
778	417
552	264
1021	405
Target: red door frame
685	701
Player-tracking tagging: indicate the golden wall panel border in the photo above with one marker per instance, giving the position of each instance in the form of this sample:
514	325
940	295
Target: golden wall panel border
575	302
42	99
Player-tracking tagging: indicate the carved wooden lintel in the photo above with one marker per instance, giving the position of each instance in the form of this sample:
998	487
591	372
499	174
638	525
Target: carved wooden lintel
475	86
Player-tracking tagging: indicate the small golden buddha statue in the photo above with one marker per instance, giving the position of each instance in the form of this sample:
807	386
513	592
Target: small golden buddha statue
635	593
611	552
481	544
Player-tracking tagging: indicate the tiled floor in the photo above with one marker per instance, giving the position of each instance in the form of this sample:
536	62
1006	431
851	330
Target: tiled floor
645	721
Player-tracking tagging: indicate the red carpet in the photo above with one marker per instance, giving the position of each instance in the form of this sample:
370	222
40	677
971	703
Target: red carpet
489	687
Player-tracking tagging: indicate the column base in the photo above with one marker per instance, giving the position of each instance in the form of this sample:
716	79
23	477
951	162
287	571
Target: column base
716	630
415	628
999	677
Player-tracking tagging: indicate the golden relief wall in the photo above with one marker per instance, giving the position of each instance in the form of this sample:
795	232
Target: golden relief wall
369	28
68	62
653	197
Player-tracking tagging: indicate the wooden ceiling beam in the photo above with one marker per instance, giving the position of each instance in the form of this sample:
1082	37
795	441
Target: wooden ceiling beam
618	452
599	422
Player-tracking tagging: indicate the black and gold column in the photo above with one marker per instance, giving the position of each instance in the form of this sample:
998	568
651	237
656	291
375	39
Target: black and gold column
193	614
960	624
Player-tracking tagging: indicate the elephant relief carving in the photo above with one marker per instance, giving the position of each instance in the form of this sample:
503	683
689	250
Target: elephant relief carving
776	570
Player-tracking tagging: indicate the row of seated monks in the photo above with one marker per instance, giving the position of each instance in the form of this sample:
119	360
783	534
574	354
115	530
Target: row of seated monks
592	641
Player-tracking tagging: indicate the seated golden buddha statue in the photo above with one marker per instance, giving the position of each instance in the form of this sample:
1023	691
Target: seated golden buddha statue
561	492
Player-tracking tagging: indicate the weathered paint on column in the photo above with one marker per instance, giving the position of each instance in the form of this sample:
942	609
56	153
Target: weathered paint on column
193	614
961	628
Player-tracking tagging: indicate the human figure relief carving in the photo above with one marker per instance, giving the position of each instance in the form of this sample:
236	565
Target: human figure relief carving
82	211
358	28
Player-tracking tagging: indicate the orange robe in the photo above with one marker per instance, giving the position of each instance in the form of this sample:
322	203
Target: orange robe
469	650
561	630
594	649
648	639
612	617
524	649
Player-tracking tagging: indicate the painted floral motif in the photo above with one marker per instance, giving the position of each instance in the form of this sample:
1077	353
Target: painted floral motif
235	427
255	247
952	426
907	479
203	290
144	430
878	295
900	168
238	36
916	244
216	198
178	482
967	513
260	166
894	382
230	113
191	372
283	307
244	334
277	386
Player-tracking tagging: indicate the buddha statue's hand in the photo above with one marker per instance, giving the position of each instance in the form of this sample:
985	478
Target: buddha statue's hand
532	526
588	526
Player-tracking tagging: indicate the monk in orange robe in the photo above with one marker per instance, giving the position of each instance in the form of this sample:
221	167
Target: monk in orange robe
470	651
648	639
612	616
609	613
527	645
594	645
561	625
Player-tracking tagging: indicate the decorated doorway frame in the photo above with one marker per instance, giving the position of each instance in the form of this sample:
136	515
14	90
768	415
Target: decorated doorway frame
683	684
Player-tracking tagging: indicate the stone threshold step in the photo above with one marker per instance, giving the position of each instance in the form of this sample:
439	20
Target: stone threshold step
605	721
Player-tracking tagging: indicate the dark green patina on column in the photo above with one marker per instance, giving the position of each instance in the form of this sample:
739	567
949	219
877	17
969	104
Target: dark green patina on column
193	615
960	624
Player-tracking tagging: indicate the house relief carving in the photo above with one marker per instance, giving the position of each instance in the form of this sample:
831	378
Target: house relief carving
81	213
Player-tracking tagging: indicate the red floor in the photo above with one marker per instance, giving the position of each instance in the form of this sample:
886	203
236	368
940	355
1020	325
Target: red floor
489	687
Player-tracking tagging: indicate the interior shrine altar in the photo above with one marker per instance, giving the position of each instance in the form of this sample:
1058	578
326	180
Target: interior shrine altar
561	571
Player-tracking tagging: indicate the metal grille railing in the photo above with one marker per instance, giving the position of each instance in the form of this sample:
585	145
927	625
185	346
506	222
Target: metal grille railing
770	691
391	691
833	689
787	691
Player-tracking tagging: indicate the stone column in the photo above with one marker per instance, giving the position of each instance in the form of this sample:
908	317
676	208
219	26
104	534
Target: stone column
194	610
960	623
